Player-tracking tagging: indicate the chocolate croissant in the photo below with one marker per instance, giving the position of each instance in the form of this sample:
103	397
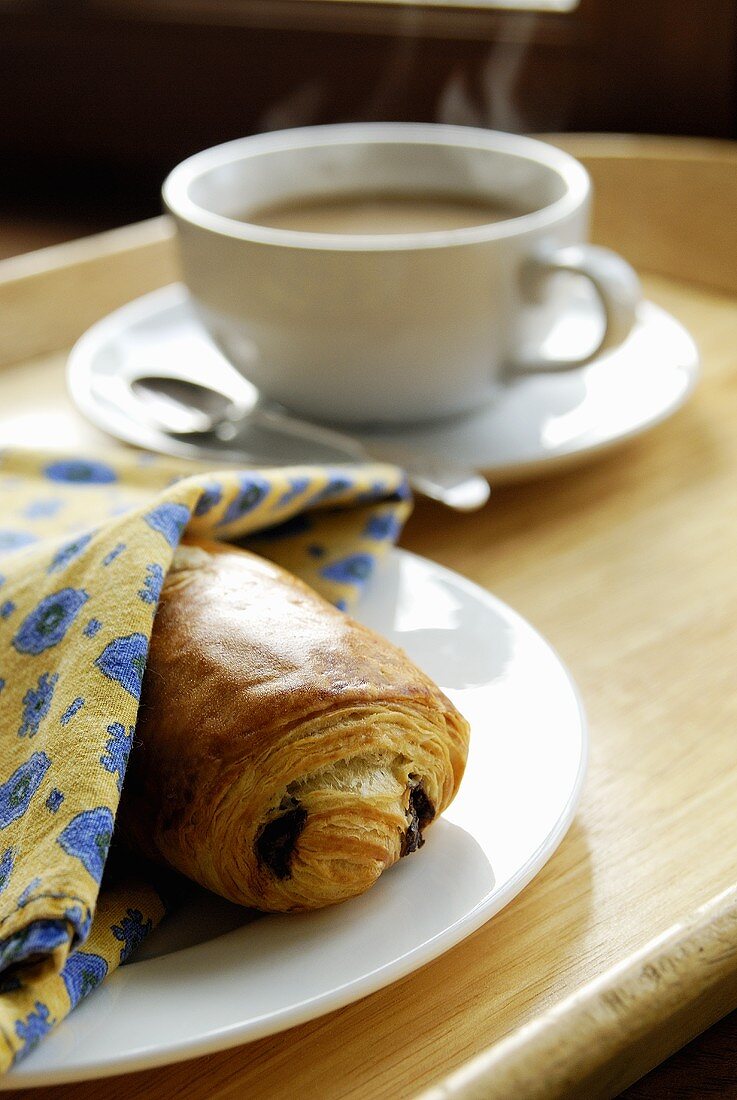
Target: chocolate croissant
285	754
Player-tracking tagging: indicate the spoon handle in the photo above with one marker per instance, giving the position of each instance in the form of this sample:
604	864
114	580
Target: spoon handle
430	474
309	432
436	476
168	411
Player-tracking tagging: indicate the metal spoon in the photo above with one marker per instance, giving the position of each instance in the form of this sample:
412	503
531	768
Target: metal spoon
181	406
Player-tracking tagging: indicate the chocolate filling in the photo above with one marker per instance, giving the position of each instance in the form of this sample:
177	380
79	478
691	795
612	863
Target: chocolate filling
420	813
275	841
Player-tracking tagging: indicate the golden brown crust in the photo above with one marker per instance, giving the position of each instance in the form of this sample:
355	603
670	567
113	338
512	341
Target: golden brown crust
286	754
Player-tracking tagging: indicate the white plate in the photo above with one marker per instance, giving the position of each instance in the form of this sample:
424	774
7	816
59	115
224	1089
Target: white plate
537	425
217	981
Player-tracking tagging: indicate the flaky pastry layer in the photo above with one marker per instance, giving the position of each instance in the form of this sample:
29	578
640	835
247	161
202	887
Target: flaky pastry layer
286	755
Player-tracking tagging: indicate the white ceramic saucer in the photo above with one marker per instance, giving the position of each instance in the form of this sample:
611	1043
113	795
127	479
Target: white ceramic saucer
212	977
536	425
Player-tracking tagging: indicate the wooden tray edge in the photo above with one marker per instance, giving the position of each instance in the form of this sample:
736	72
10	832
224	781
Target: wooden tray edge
50	297
669	205
618	1026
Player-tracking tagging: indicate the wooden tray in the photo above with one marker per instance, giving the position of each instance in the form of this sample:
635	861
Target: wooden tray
625	945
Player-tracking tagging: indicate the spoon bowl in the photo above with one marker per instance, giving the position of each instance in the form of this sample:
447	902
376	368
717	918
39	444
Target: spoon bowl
183	406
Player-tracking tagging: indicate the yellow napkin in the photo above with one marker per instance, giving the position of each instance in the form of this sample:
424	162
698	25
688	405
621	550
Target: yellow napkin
85	545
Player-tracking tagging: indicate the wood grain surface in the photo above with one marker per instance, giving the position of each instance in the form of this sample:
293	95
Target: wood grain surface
627	565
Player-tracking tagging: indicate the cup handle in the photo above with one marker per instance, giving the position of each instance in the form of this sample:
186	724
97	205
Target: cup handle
617	287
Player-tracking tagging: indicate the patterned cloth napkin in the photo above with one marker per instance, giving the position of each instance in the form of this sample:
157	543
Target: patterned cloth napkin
85	546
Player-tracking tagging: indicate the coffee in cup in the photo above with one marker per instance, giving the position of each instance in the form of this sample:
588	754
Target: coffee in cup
380	213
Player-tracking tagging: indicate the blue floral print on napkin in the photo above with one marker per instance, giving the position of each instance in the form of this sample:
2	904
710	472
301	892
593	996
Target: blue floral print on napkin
152	584
31	1031
169	520
82	972
49	621
6	867
117	750
124	660
37	703
17	791
355	567
15	540
252	492
132	930
68	552
81	471
87	837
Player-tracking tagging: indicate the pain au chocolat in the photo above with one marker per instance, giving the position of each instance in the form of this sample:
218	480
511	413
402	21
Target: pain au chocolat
285	754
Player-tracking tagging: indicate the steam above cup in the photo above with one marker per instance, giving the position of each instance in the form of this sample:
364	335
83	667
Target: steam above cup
402	326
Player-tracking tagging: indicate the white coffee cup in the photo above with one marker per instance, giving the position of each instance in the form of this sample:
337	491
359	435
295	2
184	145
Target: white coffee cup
391	327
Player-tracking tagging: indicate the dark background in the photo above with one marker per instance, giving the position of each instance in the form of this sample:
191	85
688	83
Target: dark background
98	100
